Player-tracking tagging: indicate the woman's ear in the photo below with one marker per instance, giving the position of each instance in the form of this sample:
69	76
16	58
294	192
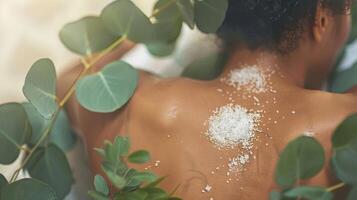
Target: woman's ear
321	22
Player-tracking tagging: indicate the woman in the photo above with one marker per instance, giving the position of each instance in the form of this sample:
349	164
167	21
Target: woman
221	139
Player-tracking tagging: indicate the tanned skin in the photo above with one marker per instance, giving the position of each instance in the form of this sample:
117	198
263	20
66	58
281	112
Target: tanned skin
166	116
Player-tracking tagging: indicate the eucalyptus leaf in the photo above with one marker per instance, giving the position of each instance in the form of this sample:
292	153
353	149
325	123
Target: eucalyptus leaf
344	148
108	89
274	195
124	18
15	130
97	195
206	68
303	158
344	80
210	14
135	195
3	181
161	49
122	145
61	134
309	193
100	185
168	21
139	157
50	165
118	181
27	189
187	12
86	36
144	177
352	195
40	87
156	193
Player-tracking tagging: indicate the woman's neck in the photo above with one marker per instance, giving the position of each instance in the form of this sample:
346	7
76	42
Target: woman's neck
293	67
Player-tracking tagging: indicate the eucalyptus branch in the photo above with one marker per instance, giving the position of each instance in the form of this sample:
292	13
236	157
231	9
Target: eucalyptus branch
70	92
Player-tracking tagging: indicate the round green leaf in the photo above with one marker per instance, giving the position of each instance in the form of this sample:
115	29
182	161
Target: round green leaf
3	181
309	193
27	189
207	68
122	17
345	149
344	80
352	195
210	14
161	49
86	36
168	21
140	156
100	185
61	134
187	12
40	87
156	193
15	130
108	89
303	158
50	166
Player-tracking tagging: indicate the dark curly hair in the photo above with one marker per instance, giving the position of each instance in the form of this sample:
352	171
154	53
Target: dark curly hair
273	24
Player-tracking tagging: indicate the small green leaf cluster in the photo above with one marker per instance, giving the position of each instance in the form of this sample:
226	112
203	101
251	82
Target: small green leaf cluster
42	131
129	183
304	158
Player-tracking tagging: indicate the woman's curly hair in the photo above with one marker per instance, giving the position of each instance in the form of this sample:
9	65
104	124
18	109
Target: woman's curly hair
273	24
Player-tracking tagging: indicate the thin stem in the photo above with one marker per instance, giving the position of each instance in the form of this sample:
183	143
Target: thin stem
336	187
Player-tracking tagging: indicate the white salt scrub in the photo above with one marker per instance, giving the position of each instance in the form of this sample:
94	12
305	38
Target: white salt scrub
251	78
231	126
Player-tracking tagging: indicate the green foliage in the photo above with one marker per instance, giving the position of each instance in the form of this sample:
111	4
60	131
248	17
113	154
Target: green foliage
40	87
309	193
344	80
352	195
161	49
345	149
132	184
209	14
123	18
187	12
86	36
49	165
306	155
61	134
207	68
3	181
27	189
15	130
108	89
100	185
139	157
303	158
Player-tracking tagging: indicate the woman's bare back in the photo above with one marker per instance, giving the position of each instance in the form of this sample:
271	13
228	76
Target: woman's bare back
171	118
